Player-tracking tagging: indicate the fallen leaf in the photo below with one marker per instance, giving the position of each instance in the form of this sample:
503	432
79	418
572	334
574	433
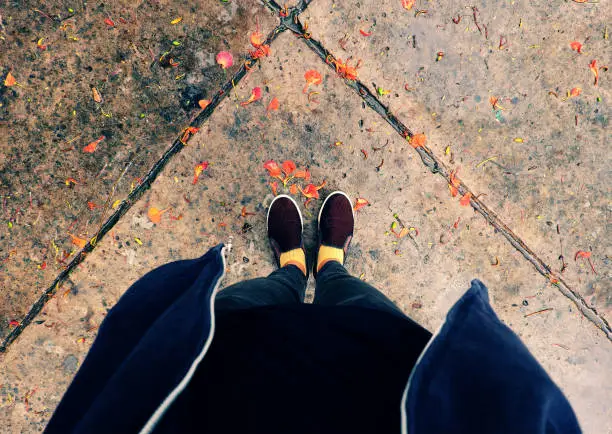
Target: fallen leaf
255	95
71	181
288	167
312	77
9	80
273	168
97	97
364	33
273	105
91	205
79	242
293	189
155	214
109	22
360	202
408	4
93	145
176	20
594	70
575	91
225	59
199	168
203	103
418	140
576	46
582	254
465	199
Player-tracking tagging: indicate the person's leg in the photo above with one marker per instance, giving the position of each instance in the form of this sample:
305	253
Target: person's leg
335	286
287	284
284	286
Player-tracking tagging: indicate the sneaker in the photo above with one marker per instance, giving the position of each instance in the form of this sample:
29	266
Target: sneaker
336	224
285	226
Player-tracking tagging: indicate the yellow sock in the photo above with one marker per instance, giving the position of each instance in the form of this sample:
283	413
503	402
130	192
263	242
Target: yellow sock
327	253
294	257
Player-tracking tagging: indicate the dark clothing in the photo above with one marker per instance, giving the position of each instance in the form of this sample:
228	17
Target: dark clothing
473	376
287	285
301	369
338	365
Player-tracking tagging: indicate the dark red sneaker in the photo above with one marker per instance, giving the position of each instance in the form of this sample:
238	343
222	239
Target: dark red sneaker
336	223
285	226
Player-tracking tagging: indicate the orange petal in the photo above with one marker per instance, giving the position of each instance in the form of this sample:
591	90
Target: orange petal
274	187
203	103
576	46
257	39
408	4
360	202
97	97
302	173
91	205
594	70
109	22
93	145
288	167
199	168
575	91
225	59
310	191
155	214
255	95
494	100
273	168
312	77
465	199
364	33
79	242
582	254
10	80
418	140
273	105
293	189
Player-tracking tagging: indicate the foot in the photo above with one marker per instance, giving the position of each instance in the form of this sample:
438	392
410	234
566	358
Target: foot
285	232
336	225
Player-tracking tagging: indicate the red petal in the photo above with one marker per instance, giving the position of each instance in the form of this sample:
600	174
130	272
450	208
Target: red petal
272	167
465	200
225	59
289	167
582	254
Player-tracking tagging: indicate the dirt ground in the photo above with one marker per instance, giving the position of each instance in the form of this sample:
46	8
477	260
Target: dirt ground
538	158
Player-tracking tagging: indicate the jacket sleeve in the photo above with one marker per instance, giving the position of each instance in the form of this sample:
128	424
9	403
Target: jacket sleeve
476	376
150	314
